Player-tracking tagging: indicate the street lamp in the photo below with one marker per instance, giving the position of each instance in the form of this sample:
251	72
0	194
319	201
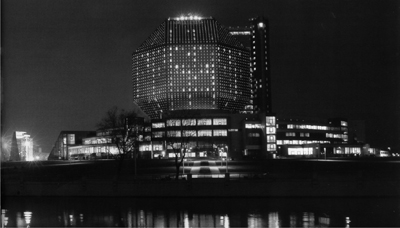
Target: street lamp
226	159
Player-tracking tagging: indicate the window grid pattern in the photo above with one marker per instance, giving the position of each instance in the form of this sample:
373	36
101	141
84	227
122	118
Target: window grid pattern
190	64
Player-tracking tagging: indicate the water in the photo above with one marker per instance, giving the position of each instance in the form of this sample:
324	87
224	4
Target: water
199	212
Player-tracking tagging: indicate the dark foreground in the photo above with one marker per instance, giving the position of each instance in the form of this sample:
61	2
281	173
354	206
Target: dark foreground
268	178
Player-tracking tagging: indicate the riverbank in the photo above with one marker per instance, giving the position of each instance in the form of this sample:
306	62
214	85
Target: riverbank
209	187
277	178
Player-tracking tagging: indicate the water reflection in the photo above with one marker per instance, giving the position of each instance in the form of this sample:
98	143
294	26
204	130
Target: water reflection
100	212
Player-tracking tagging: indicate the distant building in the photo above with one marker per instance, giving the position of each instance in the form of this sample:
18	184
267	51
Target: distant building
85	145
21	147
65	140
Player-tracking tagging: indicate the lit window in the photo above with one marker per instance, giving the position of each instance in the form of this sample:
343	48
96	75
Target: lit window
189	133
220	132
174	134
203	122
271	130
158	134
271	147
158	125
219	121
173	122
189	122
204	133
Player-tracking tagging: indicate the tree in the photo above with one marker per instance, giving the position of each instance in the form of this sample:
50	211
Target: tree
179	137
124	128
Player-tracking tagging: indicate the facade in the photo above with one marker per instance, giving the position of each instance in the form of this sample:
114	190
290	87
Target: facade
101	144
190	63
66	140
204	133
256	39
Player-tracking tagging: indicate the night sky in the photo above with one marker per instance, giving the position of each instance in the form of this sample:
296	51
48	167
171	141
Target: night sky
66	62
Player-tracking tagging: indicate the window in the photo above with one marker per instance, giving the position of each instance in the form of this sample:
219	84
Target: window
189	122
157	147
158	125
270	120
158	134
300	151
173	122
271	147
220	133
271	130
271	138
219	121
174	133
251	126
204	133
254	134
189	133
71	138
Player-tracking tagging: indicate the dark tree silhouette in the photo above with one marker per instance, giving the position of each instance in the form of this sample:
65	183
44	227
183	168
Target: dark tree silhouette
124	128
179	136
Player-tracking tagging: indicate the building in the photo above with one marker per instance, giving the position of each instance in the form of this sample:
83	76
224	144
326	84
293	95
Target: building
66	140
190	63
100	144
207	90
21	147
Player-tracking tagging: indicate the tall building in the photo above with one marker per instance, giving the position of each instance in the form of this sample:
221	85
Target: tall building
256	39
191	63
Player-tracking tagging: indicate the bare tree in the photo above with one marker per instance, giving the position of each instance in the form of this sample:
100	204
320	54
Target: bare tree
179	137
124	128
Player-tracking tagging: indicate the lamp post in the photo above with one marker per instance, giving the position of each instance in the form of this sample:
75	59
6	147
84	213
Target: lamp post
226	159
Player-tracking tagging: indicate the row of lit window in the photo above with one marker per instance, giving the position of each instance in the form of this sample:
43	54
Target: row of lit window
191	122
300	151
156	147
347	150
339	136
300	142
97	141
293	134
312	127
191	133
93	149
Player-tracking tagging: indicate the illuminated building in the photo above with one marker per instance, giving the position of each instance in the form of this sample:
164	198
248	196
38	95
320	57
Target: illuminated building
256	40
190	63
21	147
84	145
65	140
207	88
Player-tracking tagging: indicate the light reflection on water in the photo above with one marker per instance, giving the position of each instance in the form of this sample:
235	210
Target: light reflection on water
189	212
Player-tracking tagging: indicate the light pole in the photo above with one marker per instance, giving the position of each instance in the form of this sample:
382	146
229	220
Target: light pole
226	159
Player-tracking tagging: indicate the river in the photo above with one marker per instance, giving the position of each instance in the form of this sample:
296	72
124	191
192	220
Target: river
199	212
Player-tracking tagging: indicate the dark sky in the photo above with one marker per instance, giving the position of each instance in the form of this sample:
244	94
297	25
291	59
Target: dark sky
65	62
